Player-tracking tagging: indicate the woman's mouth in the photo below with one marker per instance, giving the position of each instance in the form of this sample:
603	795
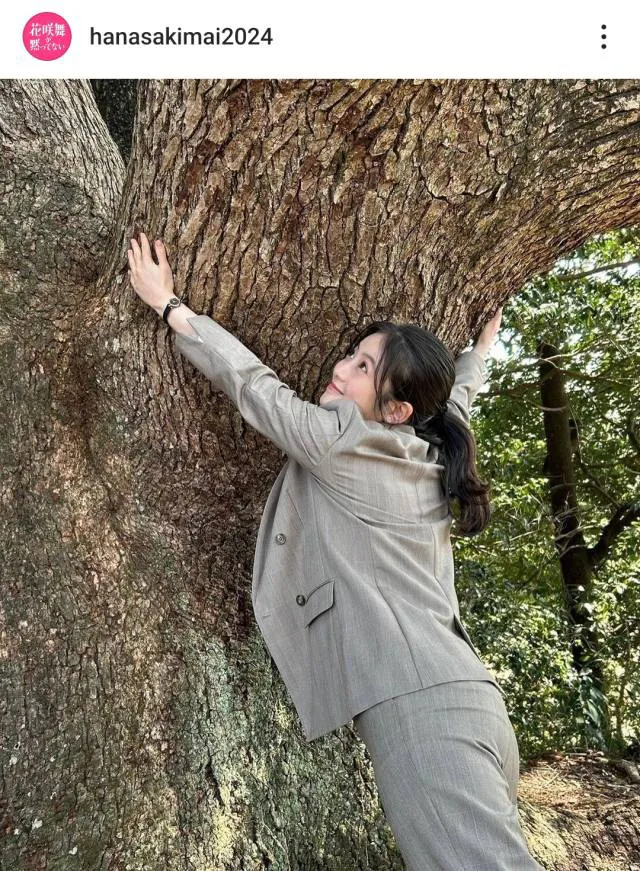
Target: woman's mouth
333	387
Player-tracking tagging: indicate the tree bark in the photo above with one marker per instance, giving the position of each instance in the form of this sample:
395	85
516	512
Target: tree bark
143	725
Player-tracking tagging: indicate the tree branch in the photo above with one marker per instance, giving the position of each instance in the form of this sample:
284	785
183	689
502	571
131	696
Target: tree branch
623	517
574	276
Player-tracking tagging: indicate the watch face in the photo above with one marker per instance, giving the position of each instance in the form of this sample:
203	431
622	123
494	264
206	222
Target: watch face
174	302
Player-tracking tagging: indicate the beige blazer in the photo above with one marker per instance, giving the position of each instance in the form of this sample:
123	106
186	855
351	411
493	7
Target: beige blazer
353	579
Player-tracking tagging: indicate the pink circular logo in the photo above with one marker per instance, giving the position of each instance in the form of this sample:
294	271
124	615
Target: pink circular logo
46	36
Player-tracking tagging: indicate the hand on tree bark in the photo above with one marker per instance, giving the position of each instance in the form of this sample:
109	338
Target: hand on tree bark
153	282
488	334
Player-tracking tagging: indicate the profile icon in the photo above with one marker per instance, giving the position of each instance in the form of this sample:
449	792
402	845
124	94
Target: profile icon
46	36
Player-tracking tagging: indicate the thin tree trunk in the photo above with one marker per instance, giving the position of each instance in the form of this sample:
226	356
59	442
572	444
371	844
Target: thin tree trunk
575	563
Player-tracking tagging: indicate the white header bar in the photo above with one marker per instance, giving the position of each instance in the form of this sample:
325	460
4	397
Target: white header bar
327	39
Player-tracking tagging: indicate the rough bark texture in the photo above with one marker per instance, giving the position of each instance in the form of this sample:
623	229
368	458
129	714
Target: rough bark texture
143	725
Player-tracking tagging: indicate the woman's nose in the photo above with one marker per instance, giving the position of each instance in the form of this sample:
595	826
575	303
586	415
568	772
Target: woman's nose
339	370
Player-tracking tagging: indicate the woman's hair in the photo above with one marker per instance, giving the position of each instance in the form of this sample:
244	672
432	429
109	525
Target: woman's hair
421	370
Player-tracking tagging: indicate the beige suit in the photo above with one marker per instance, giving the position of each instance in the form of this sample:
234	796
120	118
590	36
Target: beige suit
353	579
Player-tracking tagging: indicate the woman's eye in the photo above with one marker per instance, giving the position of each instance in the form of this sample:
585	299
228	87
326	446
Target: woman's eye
352	354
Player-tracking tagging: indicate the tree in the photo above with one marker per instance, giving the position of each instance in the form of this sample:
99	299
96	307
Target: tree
562	437
578	561
144	726
557	435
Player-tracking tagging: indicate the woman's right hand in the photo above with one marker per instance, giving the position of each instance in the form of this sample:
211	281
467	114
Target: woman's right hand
489	333
153	282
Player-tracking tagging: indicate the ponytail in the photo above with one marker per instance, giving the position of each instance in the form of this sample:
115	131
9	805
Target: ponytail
415	367
461	481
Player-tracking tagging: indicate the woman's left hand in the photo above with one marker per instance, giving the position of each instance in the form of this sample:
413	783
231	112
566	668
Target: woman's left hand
153	282
488	334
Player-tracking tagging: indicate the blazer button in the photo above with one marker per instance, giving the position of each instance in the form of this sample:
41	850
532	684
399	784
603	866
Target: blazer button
280	538
301	599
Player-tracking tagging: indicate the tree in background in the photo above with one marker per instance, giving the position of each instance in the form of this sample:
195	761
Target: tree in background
559	435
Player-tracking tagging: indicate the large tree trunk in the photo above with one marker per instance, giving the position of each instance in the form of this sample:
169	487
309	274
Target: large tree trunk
143	725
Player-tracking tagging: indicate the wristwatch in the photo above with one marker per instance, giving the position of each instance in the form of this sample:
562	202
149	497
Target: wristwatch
174	302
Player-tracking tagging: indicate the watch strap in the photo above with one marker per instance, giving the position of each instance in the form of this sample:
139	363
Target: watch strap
174	302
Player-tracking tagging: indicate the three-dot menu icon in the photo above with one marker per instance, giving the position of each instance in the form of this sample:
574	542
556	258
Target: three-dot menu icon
604	36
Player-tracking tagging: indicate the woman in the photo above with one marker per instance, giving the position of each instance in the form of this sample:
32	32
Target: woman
353	585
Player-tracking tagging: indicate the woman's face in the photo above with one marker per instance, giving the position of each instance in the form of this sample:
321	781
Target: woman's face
354	376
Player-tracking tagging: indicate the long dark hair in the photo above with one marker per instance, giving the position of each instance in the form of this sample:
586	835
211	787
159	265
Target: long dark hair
421	370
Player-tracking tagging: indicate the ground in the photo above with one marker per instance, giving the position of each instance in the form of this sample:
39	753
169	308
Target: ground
581	811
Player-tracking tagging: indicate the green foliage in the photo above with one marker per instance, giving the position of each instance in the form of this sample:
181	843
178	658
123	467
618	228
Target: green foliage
509	578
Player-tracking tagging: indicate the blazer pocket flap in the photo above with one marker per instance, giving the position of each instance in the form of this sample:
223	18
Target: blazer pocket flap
320	600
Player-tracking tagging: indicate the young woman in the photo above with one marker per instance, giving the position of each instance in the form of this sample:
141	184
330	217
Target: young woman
353	586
